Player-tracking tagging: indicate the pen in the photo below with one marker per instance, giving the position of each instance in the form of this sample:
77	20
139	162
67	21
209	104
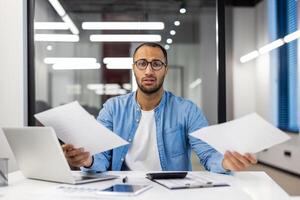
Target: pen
125	179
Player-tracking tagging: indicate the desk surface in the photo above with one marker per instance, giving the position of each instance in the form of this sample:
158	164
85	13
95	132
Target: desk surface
244	186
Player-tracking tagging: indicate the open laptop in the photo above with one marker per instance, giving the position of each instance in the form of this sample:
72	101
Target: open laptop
40	156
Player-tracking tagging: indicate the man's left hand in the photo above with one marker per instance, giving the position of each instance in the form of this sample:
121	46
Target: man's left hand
234	161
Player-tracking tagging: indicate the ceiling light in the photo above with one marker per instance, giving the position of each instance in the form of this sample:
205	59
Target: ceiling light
293	36
56	38
195	83
49	48
169	41
167	46
172	32
53	60
70	24
74	66
271	46
123	25
58	7
249	56
182	10
125	38
126	86
118	62
50	26
177	23
95	86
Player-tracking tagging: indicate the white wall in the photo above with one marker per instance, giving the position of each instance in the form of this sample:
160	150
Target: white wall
252	91
12	69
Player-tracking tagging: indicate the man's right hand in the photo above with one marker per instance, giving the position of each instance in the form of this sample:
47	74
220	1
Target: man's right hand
77	157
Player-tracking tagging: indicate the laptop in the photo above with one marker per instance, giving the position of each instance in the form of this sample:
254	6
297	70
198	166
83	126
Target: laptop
40	156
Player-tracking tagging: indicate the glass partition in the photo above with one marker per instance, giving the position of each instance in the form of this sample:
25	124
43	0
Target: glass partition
83	50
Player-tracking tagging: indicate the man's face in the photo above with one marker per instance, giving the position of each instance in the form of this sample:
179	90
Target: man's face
148	80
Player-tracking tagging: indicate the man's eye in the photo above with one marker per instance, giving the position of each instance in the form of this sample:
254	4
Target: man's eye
156	64
141	63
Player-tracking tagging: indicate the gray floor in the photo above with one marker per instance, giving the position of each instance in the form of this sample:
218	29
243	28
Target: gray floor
290	183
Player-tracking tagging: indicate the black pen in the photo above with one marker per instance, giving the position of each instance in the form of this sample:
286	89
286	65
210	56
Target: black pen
125	179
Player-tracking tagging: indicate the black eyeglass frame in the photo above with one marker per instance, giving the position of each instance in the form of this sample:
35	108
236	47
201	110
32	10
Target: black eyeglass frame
155	69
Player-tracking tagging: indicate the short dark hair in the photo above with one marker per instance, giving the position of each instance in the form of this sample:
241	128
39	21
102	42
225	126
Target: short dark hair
153	44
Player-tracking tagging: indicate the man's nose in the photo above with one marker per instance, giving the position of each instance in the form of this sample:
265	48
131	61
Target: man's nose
149	69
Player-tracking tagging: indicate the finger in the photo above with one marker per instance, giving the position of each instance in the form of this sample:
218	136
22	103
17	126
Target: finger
251	157
230	164
234	161
74	152
242	159
81	159
67	147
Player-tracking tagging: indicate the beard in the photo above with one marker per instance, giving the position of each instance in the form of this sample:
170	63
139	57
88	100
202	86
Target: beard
150	90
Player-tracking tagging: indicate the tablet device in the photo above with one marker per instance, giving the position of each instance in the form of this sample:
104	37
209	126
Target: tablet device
166	175
124	189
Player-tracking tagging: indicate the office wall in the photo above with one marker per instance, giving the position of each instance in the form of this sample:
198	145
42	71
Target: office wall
12	70
252	90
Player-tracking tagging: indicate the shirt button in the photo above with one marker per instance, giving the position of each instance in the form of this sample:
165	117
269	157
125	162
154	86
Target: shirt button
137	120
122	159
129	140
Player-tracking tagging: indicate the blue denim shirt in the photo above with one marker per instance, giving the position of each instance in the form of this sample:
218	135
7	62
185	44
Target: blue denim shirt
175	119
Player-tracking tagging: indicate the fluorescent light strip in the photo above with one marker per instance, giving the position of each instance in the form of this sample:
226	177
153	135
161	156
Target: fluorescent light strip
58	7
56	38
125	38
249	56
119	66
271	46
50	26
118	62
75	66
95	86
293	36
70	24
53	60
195	83
121	60
123	25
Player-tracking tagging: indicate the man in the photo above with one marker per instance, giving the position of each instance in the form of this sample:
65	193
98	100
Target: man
157	125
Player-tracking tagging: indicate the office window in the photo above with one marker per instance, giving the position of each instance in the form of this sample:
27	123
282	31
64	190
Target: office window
73	62
287	22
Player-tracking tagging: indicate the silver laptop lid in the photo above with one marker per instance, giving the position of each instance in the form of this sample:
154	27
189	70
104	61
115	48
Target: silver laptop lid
39	154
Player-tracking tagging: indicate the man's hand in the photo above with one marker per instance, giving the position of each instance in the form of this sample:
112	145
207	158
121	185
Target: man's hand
236	162
77	157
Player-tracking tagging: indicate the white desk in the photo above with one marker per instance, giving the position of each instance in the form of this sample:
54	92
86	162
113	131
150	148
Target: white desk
244	186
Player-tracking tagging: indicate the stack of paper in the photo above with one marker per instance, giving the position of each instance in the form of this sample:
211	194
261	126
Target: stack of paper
248	134
73	125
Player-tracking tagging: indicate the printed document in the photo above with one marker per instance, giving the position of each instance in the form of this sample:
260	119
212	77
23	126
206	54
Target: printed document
248	134
74	125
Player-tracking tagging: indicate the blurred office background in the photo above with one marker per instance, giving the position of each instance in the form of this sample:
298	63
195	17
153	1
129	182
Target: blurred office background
72	62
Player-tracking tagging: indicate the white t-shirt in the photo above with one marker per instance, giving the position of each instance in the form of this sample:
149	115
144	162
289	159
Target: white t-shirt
143	153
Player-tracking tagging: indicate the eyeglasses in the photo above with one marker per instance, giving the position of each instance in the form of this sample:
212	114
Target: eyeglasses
156	65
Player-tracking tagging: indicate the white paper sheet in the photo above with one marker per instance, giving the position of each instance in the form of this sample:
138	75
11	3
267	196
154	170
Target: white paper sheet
74	125
248	134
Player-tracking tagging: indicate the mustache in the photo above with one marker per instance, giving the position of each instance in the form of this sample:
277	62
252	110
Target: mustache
149	77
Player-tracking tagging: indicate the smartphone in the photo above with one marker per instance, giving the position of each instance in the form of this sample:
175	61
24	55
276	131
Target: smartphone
124	189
